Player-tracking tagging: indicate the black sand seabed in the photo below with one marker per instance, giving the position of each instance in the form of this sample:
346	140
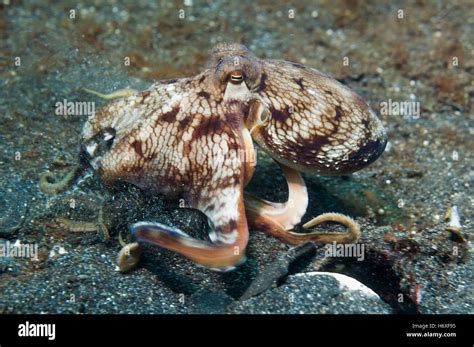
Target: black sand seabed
400	201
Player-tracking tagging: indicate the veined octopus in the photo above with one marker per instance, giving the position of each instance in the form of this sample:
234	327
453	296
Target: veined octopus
194	138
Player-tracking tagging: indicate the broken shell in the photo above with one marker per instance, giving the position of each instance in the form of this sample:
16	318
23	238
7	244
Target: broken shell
128	257
454	223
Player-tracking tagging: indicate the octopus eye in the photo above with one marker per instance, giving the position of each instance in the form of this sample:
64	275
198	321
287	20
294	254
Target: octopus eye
97	145
236	77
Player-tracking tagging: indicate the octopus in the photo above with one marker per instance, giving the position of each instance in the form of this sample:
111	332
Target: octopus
195	139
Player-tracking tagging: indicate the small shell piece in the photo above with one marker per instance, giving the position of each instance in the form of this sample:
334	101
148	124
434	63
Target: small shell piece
454	222
128	257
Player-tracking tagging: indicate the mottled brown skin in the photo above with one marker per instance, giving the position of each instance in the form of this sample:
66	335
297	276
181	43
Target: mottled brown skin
191	138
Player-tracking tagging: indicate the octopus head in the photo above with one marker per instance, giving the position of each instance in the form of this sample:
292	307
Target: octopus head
93	149
98	137
234	64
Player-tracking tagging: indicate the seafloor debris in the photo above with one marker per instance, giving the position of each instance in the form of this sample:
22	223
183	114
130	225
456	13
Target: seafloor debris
454	223
277	270
128	257
316	293
77	226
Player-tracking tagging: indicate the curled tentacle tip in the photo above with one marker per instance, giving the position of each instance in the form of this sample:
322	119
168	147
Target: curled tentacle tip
50	184
351	236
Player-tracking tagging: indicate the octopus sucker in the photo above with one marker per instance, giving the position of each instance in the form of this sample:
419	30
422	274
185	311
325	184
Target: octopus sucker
195	137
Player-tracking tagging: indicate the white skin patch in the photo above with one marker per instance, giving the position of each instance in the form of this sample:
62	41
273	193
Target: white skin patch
336	152
175	99
108	136
228	238
91	148
186	136
236	92
145	133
